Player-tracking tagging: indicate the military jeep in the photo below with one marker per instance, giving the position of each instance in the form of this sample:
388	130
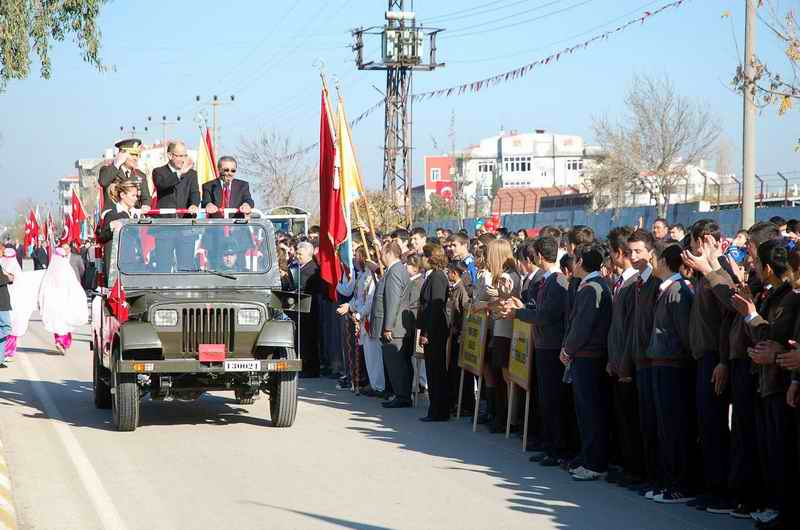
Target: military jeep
191	306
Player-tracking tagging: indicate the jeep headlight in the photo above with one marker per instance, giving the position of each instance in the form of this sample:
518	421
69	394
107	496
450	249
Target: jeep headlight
249	317
166	318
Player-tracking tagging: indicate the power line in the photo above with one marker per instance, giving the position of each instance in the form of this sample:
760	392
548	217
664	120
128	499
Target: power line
560	41
474	11
457	33
270	63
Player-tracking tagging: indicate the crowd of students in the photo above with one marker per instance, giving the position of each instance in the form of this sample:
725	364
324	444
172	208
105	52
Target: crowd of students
664	361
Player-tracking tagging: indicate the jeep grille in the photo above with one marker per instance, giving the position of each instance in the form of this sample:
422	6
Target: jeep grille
208	326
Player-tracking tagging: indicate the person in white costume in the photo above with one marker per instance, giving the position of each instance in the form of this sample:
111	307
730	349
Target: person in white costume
62	300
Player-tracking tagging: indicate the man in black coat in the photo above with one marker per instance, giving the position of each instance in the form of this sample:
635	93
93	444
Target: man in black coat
176	187
40	258
311	283
124	167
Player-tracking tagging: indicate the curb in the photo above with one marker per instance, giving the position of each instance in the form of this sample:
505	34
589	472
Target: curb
8	515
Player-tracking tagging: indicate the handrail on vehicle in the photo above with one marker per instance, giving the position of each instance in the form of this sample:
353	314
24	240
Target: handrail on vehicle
183	211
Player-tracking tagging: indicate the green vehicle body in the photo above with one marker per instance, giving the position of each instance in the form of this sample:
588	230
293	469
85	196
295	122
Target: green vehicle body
174	314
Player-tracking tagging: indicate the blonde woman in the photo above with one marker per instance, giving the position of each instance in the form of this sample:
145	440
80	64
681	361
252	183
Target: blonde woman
498	282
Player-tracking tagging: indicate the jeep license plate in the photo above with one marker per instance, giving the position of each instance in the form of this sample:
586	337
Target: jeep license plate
243	366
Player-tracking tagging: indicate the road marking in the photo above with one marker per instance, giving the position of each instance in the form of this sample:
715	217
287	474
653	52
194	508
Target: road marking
8	514
104	506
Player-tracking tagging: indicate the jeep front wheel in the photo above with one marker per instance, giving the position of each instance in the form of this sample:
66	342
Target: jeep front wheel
125	402
283	395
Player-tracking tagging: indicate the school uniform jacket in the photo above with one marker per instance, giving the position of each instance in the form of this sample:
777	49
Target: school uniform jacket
708	314
621	322
775	321
587	335
644	302
547	311
669	341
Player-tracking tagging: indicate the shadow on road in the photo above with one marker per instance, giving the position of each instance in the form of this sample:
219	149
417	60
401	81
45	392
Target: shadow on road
40	351
75	403
344	523
532	489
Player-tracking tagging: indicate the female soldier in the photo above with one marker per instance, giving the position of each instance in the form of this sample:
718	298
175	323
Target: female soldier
125	194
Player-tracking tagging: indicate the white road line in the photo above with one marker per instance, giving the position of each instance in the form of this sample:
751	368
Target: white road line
104	507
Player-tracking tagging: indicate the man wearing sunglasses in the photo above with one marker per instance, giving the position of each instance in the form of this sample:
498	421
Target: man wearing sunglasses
227	191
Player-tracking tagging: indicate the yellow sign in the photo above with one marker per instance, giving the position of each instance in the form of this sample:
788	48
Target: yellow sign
473	343
519	362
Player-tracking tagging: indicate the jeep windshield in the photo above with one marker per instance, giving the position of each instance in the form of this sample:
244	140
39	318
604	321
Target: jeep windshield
228	249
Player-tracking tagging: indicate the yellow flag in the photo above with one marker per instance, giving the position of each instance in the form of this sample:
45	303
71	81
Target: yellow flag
205	167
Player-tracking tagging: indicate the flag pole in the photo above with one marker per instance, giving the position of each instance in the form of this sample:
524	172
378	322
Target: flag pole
363	194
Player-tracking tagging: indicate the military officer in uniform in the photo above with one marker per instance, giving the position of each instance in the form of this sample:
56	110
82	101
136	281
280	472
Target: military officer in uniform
124	167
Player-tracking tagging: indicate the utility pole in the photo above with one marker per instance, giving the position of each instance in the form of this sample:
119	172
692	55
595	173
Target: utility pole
749	126
165	124
216	102
402	47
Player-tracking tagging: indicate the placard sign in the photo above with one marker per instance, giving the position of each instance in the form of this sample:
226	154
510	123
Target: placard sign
473	343
519	361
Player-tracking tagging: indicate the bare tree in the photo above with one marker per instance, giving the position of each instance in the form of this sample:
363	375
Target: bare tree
650	148
282	173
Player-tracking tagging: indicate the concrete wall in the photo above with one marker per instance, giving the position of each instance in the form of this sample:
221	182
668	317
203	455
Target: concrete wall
602	222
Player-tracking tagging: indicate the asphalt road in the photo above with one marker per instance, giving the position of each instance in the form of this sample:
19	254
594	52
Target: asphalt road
213	464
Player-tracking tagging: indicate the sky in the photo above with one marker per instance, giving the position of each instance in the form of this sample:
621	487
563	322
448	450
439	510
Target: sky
267	54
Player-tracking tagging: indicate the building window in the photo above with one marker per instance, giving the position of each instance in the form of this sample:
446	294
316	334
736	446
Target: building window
436	174
518	164
485	167
575	165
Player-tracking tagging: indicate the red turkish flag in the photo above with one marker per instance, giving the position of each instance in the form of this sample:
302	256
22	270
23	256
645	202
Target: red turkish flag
444	188
119	307
77	216
31	229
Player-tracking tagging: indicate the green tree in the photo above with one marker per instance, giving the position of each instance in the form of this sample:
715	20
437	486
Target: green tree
28	26
436	208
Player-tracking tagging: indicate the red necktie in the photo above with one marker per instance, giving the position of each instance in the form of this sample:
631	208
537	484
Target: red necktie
639	284
226	196
617	285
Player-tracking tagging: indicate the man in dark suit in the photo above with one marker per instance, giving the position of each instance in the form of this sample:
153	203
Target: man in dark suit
310	282
39	256
124	167
176	187
20	252
227	191
390	302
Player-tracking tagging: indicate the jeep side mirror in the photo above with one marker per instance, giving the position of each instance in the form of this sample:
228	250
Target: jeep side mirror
290	301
